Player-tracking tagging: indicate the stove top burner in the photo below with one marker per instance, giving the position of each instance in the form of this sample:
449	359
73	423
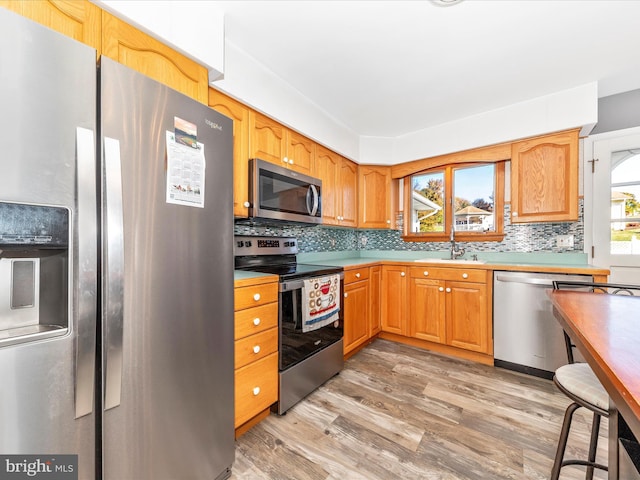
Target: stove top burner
295	270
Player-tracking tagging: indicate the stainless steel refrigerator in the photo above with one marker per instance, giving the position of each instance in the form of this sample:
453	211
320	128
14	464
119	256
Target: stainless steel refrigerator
116	265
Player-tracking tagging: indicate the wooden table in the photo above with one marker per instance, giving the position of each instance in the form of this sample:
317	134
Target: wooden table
606	330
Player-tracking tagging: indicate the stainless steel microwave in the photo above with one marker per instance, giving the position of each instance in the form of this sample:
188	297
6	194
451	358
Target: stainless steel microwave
277	193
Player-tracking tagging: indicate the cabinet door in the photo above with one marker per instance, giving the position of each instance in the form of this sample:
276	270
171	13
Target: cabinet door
139	51
301	153
375	279
78	20
267	139
466	316
349	184
544	178
327	169
240	116
374	197
356	318
427	310
394	299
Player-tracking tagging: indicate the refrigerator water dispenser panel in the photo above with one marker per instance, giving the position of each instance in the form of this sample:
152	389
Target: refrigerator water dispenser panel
34	259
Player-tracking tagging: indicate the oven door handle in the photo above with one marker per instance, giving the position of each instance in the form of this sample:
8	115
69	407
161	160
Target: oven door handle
312	196
297	284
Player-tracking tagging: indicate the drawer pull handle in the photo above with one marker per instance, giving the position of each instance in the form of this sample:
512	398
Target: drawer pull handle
448	290
465	275
357	275
256	391
425	273
256	297
256	349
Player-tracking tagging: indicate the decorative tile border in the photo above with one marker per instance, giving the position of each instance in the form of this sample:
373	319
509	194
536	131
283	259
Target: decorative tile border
535	237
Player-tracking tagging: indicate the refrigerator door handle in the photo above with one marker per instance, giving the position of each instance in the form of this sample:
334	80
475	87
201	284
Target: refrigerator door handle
85	271
113	274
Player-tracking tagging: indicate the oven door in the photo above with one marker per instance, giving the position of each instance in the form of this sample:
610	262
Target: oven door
294	344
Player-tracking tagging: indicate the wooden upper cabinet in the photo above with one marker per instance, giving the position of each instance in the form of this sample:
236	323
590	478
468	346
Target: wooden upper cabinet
348	185
79	20
240	116
544	178
327	168
374	196
273	142
143	53
339	188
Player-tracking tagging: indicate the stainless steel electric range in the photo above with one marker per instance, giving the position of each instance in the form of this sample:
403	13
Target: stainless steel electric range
310	318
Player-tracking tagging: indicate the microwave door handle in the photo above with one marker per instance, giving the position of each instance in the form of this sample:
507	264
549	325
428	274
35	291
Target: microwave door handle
312	192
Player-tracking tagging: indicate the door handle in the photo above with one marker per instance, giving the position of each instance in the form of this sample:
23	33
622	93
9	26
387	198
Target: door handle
113	273
313	193
85	271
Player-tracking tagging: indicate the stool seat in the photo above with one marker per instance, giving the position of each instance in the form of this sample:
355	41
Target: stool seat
579	379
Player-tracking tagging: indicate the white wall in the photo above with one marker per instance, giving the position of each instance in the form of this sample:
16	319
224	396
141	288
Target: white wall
195	28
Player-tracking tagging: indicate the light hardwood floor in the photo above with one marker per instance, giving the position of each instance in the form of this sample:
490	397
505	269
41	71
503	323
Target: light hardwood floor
398	412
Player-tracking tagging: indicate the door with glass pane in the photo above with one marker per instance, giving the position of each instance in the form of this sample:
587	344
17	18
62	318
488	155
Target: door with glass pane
615	184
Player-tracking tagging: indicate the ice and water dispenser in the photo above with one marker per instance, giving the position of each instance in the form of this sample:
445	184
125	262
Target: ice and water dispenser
34	278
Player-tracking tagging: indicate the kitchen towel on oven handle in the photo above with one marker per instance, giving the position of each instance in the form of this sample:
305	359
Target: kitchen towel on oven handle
320	302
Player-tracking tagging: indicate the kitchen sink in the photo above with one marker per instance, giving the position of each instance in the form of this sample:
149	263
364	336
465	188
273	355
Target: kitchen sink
463	261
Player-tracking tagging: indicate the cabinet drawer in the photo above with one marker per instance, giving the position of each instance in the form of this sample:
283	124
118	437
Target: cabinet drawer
356	275
256	388
255	320
255	295
255	347
457	274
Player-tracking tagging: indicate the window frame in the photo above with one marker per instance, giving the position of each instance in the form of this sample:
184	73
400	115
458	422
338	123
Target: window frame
461	236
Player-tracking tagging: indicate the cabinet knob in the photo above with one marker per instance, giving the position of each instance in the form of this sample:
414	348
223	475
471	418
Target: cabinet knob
285	160
388	221
441	289
465	275
448	290
256	349
256	297
256	321
357	275
425	273
346	294
291	161
256	391
402	274
246	204
514	214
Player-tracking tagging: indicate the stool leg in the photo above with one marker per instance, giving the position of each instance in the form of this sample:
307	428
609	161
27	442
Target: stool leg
593	444
562	441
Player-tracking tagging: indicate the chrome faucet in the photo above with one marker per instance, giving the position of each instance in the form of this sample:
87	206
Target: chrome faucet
455	253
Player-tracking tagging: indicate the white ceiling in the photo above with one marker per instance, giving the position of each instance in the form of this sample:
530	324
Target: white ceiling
388	68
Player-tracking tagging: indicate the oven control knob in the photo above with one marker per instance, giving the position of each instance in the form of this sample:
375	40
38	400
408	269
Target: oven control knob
240	243
256	349
256	297
256	391
256	321
248	243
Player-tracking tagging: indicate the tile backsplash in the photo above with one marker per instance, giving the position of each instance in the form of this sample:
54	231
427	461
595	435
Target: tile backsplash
535	237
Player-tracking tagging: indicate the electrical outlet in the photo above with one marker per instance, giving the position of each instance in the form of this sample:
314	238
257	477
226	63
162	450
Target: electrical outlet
564	241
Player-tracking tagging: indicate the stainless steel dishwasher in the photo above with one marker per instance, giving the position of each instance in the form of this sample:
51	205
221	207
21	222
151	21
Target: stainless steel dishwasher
526	335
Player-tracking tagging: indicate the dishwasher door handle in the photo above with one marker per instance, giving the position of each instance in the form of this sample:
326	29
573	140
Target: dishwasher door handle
539	282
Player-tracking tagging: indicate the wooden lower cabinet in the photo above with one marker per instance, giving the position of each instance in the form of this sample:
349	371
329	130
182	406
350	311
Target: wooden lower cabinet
356	314
394	299
256	349
375	282
443	309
